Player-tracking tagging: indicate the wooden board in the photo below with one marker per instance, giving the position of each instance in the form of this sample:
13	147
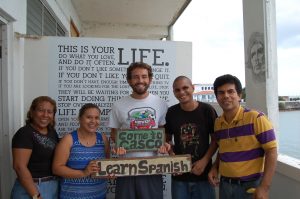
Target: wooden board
140	139
144	166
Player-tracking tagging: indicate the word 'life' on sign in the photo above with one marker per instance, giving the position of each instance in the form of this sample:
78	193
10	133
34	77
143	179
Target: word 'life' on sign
140	139
144	166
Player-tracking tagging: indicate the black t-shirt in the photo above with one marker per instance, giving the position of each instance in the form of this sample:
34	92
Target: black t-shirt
42	146
191	131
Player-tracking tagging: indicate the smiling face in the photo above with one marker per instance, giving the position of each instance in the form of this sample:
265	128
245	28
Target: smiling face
140	81
228	98
90	120
42	116
183	90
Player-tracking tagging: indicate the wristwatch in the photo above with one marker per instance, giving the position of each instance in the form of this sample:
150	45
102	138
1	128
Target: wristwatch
36	196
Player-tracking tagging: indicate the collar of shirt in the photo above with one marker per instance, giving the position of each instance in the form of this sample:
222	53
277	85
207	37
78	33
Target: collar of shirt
238	117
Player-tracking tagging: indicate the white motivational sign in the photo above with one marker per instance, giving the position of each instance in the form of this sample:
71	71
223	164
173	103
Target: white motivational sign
87	70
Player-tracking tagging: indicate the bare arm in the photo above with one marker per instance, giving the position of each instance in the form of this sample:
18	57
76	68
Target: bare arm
169	141
61	157
20	161
199	166
113	134
262	191
213	175
107	146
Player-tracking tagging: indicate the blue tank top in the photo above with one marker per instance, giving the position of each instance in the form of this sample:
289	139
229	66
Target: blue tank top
80	156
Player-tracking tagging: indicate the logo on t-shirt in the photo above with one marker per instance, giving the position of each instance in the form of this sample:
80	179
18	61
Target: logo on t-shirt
142	118
44	141
189	139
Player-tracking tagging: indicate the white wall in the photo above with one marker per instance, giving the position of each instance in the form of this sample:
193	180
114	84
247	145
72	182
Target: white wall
123	31
286	181
13	15
13	19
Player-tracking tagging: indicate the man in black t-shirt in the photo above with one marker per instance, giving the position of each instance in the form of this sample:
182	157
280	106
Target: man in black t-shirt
190	123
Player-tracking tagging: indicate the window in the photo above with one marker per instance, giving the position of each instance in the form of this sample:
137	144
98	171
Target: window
40	21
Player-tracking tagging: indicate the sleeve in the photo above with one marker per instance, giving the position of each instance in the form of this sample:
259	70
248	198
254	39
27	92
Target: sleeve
113	118
211	120
167	125
164	109
22	139
216	127
264	131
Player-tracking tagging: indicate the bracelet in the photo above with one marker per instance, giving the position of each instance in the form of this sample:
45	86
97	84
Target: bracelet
36	196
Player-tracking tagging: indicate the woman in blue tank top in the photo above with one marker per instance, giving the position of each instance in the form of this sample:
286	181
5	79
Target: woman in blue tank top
75	157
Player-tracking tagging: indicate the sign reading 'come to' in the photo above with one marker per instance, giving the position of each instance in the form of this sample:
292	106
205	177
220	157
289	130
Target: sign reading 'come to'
140	139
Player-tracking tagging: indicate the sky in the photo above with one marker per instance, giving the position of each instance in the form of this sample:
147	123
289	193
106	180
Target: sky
215	29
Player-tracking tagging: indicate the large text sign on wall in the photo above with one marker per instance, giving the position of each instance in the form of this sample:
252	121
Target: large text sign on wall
93	70
144	166
140	139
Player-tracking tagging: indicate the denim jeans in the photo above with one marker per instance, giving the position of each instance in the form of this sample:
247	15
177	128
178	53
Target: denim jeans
192	190
48	190
237	190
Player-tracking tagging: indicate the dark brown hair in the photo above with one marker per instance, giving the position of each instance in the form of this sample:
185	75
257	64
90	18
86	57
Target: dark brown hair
139	65
35	103
87	106
228	79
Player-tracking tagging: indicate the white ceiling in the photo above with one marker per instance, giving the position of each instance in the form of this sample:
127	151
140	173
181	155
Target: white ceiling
130	12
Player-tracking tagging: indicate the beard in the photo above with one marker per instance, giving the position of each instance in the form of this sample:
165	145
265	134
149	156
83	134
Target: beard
140	88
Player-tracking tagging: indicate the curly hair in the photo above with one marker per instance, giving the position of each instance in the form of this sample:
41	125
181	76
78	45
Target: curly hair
138	65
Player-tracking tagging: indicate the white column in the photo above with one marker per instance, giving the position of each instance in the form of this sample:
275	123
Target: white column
261	57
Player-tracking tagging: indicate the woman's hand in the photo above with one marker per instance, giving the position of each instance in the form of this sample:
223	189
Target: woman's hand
91	168
119	151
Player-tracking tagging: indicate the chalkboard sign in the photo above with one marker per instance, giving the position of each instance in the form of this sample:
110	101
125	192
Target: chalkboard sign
144	166
140	139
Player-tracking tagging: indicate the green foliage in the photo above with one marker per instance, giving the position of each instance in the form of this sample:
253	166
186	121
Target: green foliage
281	98
295	99
281	105
244	94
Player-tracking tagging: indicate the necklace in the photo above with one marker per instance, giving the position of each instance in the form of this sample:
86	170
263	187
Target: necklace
85	139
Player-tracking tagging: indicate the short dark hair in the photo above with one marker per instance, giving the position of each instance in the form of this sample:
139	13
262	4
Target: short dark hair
139	65
87	106
180	78
228	79
35	103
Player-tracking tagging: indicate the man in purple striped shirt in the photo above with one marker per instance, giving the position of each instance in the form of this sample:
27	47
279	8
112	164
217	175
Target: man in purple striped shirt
247	146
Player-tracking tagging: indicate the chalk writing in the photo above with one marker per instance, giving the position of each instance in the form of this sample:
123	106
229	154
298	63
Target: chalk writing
140	139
